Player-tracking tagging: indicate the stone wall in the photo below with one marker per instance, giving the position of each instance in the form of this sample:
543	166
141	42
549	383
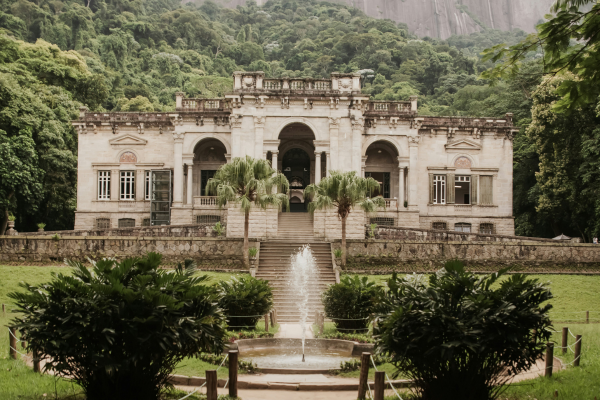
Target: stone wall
328	226
204	230
262	223
431	235
209	253
428	254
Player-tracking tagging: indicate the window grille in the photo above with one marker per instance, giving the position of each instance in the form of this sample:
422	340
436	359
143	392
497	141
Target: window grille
486	229
208	219
383	221
441	226
147	185
103	185
103	223
439	189
462	227
126	223
146	222
127	185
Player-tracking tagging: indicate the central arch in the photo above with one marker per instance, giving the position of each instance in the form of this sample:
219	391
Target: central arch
297	161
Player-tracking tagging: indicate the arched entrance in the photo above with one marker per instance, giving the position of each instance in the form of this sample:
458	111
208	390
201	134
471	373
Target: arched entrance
382	165
297	162
209	155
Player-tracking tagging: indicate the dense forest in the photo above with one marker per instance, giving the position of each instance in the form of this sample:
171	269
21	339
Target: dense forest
134	55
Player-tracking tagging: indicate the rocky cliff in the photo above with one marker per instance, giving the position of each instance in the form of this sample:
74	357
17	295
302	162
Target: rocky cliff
443	18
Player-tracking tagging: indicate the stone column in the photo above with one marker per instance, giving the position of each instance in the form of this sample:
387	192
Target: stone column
363	166
237	150
115	184
401	186
317	167
140	185
413	148
178	168
274	160
358	128
327	163
259	127
190	184
334	128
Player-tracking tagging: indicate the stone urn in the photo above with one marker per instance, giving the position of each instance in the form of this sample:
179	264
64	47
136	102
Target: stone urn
252	262
11	224
41	230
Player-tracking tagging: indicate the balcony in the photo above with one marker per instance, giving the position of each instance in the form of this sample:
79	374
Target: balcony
297	86
388	108
205	105
208	202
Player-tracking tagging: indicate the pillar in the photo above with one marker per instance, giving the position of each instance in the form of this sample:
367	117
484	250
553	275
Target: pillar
401	186
317	167
327	163
413	148
140	185
274	160
115	184
190	184
259	127
334	128
357	132
178	168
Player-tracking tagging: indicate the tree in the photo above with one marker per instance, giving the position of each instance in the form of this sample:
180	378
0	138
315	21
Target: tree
120	328
457	333
343	191
249	182
567	42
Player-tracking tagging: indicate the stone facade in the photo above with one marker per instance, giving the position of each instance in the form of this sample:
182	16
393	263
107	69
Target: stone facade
432	170
209	253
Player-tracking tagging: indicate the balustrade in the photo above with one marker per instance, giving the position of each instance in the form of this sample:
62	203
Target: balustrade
205	201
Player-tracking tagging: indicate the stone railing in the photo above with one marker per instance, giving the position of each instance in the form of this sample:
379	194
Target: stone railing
126	117
305	86
205	105
427	122
391	203
197	230
388	107
206	201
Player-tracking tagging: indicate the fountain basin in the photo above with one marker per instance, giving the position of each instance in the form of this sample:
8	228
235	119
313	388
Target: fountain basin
284	356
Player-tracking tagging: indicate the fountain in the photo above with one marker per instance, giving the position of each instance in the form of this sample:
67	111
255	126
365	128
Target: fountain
300	354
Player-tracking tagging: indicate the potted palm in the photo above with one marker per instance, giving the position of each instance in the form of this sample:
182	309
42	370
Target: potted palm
252	252
41	227
11	221
338	257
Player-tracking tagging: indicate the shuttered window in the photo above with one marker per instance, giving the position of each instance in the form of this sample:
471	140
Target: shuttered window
486	190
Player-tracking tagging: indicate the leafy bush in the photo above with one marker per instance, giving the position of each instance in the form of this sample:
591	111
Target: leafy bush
119	329
218	229
459	335
245	300
11	217
41	225
233	336
350	303
355	337
354	365
337	253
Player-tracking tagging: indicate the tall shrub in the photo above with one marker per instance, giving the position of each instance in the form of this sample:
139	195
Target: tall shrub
461	336
351	303
244	301
120	328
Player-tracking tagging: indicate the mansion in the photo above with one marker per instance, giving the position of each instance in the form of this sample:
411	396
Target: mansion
151	168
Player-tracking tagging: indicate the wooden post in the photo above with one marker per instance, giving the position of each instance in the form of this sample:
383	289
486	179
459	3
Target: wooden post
549	358
556	393
365	360
533	335
13	343
565	337
577	351
23	344
266	322
379	385
275	316
211	384
233	373
36	361
587	317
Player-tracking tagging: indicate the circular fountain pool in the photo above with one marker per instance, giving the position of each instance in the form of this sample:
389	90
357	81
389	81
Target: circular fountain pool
283	354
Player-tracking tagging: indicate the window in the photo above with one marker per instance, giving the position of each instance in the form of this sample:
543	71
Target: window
147	185
383	178
208	219
146	222
440	226
126	223
486	229
103	223
127	185
205	175
462	227
486	195
462	189
439	189
103	185
383	221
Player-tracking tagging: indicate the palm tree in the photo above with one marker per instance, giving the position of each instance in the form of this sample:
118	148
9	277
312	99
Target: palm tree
247	181
344	191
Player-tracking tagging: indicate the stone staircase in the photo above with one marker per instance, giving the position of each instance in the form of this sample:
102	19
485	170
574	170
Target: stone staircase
294	231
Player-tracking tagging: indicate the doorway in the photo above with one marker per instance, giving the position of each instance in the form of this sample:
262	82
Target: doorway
296	168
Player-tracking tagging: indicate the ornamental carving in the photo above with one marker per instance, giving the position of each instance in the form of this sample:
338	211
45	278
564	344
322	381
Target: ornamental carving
357	123
235	120
334	122
248	82
178	136
414	140
462	162
345	84
259	122
128	157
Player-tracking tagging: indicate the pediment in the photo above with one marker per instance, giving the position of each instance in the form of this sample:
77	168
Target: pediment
462	145
128	140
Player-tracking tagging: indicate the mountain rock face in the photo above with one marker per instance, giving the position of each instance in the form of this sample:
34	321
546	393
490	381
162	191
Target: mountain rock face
443	18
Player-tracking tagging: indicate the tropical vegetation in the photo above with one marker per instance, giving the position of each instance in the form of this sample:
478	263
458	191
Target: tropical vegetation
249	183
120	328
244	301
456	332
343	192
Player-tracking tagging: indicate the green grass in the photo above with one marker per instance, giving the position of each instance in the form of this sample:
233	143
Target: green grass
196	367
